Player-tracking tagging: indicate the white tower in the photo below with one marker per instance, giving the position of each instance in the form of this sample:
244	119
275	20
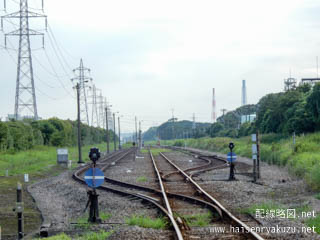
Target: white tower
244	93
214	116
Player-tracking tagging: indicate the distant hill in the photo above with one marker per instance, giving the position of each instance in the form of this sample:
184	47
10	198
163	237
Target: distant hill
176	129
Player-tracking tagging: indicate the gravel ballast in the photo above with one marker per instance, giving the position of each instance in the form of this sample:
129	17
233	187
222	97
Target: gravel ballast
61	200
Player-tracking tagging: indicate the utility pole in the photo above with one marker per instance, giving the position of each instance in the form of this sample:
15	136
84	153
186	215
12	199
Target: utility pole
136	130
82	79
173	133
193	125
140	142
119	132
107	128
114	132
79	124
101	102
25	99
193	121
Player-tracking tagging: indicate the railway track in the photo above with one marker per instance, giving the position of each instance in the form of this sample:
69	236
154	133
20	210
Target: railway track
224	213
165	196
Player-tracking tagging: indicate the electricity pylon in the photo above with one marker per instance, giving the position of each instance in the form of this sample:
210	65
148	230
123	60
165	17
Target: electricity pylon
25	99
95	116
101	108
82	79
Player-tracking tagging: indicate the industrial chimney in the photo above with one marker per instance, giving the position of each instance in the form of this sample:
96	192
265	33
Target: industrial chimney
244	93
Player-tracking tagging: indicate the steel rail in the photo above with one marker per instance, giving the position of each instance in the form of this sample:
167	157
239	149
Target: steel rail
198	169
149	199
119	158
165	198
77	177
169	194
217	203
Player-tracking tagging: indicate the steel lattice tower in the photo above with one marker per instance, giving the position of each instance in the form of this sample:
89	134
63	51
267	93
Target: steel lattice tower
25	98
101	103
82	80
95	116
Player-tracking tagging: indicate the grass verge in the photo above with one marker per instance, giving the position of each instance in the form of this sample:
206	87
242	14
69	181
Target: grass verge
141	179
82	222
199	220
39	159
156	151
147	222
314	222
101	235
262	207
61	236
317	196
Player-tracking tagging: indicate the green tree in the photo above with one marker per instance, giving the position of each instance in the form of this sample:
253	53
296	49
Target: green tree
215	129
313	105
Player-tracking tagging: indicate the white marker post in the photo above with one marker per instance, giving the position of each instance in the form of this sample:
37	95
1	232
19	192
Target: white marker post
254	156
258	155
26	177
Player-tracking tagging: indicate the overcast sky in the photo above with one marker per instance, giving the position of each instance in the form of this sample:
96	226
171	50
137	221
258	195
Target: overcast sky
149	57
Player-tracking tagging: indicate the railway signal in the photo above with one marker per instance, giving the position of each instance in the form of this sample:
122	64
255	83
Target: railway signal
94	177
231	158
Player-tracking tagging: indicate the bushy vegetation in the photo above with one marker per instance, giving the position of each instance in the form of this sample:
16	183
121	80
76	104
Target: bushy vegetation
24	135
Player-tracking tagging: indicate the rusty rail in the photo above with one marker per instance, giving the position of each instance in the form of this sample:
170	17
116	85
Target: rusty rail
165	198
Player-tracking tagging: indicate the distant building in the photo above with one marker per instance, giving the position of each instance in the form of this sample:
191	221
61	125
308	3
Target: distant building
310	81
248	118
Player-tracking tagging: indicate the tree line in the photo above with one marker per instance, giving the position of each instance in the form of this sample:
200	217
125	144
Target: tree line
176	130
24	135
296	110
